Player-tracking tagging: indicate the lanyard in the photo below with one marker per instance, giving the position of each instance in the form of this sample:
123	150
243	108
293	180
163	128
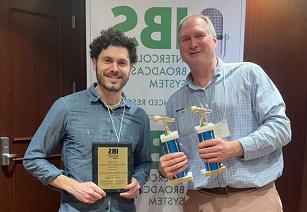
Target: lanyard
121	122
212	95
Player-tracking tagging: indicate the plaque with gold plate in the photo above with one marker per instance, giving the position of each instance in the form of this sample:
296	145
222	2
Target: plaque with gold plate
112	166
205	132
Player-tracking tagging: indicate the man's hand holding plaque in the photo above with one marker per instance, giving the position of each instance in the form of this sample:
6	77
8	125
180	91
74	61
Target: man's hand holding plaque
132	190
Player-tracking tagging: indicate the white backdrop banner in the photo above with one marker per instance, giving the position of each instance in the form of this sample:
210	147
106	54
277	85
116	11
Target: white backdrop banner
160	70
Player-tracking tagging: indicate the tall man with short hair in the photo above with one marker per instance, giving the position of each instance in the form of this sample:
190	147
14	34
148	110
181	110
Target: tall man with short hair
242	95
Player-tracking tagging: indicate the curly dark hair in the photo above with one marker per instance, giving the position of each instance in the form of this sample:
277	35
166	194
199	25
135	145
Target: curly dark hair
112	37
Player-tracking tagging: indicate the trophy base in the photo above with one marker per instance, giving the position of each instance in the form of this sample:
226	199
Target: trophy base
214	172
177	181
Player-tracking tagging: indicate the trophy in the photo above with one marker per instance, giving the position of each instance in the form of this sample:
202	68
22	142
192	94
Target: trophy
170	144
205	132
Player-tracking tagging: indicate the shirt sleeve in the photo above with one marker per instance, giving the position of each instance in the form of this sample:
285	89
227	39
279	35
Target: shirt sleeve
142	156
47	137
269	110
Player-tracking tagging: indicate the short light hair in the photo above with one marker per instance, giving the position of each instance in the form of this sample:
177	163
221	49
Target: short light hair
204	17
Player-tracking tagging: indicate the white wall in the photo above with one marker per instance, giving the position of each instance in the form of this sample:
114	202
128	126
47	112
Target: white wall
160	70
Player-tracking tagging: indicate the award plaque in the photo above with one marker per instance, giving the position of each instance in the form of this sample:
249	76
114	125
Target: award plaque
112	165
170	144
205	132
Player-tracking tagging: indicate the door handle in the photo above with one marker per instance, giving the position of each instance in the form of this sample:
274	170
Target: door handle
5	152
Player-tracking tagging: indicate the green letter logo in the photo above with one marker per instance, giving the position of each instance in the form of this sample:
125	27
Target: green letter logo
131	18
164	28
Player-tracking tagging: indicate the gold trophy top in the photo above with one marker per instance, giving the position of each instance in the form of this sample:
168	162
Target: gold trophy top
165	120
202	114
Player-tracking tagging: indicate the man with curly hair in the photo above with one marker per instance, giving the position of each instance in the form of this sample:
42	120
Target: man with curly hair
102	113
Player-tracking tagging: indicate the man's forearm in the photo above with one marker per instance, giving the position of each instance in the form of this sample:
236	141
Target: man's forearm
64	183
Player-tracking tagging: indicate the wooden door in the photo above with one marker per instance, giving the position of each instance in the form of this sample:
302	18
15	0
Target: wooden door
275	38
42	45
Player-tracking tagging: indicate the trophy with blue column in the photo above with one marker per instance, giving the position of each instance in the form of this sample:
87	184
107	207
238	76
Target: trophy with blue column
170	144
205	132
